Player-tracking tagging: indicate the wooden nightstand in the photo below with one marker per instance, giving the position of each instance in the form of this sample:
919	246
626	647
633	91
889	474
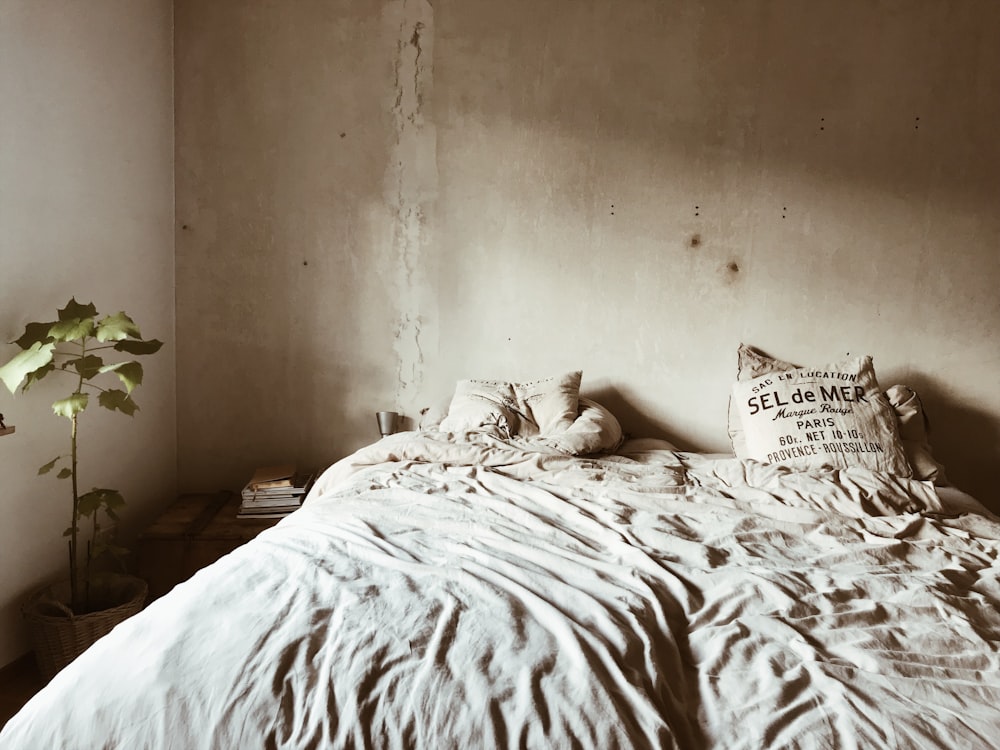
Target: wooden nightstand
195	531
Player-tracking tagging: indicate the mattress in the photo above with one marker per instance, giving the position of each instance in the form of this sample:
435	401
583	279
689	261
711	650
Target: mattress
442	593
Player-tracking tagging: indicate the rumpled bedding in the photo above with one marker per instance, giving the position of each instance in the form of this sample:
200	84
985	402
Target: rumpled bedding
442	593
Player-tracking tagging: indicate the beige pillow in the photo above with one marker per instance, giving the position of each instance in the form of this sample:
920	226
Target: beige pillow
750	364
541	407
431	417
911	420
595	430
914	430
835	415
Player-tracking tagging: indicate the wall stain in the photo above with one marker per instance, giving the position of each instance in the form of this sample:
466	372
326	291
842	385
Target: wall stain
410	189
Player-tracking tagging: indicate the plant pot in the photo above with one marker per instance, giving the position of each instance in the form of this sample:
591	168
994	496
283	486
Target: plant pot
59	636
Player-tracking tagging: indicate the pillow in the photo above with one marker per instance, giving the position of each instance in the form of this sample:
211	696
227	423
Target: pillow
541	407
834	415
431	417
911	423
750	364
913	432
595	430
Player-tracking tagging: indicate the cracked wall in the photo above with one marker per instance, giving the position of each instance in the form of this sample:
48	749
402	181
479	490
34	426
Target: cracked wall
378	199
410	190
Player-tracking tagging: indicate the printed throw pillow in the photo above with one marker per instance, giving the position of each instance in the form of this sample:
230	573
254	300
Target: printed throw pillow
911	420
835	415
750	364
541	407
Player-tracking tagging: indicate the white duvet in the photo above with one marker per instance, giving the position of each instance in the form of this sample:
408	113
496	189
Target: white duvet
438	594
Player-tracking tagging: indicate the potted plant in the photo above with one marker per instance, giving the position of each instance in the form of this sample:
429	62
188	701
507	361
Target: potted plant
78	344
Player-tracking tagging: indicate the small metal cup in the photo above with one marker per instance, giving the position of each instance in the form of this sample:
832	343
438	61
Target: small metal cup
387	421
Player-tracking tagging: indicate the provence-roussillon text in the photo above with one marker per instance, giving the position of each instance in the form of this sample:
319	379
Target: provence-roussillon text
813	449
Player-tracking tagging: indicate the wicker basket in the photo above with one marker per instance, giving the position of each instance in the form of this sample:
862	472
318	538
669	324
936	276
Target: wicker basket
59	636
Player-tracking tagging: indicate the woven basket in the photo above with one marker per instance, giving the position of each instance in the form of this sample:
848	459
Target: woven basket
59	636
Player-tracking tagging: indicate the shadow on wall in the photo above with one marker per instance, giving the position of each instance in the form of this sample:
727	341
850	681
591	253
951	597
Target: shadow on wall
836	92
963	439
635	420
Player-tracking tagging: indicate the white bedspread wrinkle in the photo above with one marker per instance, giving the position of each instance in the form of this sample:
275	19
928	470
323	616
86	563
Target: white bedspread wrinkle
439	594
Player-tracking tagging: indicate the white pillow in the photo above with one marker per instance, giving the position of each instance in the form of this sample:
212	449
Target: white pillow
914	429
540	407
431	417
595	430
835	415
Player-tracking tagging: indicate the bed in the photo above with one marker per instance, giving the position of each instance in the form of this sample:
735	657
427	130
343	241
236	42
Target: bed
519	574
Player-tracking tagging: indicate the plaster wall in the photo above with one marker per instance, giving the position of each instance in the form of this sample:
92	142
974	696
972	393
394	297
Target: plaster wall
86	209
376	199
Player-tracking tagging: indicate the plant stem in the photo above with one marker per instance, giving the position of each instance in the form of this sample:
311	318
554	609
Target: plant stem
86	579
76	604
74	591
87	560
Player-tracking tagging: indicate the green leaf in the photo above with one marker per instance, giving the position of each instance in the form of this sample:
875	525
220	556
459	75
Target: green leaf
35	333
112	499
117	327
49	466
117	399
88	366
36	356
130	373
74	404
34	377
70	529
131	346
89	502
98	498
73	329
64	473
74	309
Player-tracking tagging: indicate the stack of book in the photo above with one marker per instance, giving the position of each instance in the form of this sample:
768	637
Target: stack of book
274	491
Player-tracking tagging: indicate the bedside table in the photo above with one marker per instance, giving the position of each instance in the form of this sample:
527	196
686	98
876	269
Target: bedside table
195	531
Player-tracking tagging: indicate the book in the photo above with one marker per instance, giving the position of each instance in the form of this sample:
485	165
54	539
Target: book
269	477
274	491
297	484
264	514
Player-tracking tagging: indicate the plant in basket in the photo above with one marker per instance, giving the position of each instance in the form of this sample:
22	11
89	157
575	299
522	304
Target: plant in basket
80	345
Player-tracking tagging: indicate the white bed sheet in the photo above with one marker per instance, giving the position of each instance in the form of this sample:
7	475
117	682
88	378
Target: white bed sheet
440	595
